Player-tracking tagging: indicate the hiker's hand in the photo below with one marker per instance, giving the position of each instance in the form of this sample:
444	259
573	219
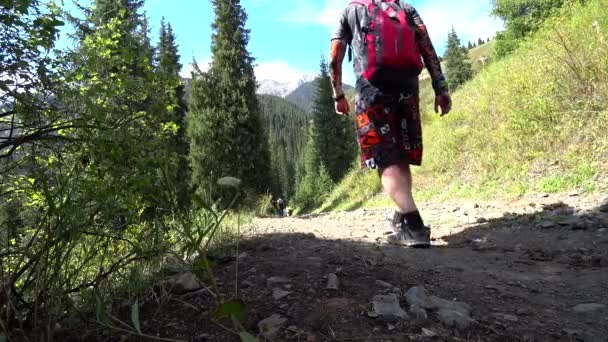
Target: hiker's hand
342	106
443	101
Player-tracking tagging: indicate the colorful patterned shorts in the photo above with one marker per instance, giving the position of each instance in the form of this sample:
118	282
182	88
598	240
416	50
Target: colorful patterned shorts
390	132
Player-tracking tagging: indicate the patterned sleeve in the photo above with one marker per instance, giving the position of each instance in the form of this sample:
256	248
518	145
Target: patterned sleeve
341	37
427	50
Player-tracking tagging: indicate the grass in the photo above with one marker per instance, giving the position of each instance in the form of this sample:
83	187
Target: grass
356	189
535	121
476	54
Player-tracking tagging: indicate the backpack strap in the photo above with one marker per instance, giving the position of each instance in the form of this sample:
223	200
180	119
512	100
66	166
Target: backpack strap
365	3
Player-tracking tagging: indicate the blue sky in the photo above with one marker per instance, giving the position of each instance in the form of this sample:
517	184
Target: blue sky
288	37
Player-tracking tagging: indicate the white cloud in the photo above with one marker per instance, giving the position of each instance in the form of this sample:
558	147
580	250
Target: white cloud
279	71
471	20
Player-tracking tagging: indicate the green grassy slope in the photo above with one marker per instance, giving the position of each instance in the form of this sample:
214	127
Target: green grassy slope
480	53
535	121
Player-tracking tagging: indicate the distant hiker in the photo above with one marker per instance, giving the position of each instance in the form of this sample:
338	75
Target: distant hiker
390	43
281	206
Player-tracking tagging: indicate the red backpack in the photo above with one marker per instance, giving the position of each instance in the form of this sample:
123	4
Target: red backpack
388	48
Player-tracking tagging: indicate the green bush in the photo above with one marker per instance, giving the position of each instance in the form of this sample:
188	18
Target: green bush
547	103
264	207
522	18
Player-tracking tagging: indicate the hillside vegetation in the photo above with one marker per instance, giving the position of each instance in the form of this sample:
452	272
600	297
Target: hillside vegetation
286	125
533	121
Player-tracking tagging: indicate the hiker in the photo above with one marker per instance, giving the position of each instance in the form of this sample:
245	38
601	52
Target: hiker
281	206
390	42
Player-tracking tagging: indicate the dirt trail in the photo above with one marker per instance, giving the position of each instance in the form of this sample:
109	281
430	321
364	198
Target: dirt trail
522	266
535	269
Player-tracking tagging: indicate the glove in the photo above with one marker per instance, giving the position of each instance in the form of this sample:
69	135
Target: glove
443	101
342	106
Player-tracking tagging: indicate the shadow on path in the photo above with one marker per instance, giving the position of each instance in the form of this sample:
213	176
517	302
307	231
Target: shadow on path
525	277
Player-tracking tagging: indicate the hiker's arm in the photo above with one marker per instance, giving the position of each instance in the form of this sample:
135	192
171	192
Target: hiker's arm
336	57
341	38
427	50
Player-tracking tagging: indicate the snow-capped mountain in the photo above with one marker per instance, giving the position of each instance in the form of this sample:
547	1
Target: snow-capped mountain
282	89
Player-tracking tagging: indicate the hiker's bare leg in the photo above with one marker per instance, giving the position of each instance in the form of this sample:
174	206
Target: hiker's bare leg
397	183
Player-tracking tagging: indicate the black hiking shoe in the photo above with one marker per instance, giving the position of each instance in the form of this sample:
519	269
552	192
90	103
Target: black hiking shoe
394	224
408	235
411	238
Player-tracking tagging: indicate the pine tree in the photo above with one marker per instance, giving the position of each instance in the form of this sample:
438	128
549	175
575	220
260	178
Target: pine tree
458	66
223	124
168	68
469	46
286	125
315	182
335	139
480	42
122	16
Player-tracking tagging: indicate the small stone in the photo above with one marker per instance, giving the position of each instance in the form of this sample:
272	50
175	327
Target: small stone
547	224
417	296
471	206
506	317
387	307
284	306
453	318
243	255
602	230
437	303
428	333
278	294
277	280
418	313
589	307
571	332
271	326
384	284
333	282
184	283
247	284
482	220
524	312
